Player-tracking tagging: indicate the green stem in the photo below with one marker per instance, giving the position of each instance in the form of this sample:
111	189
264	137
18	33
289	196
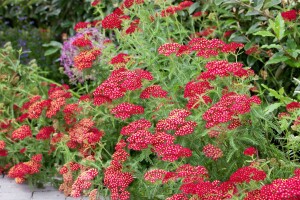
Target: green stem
51	81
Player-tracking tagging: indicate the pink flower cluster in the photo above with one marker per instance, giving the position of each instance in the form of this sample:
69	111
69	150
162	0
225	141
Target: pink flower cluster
223	68
23	169
171	10
83	182
196	91
118	83
279	189
202	46
114	178
230	106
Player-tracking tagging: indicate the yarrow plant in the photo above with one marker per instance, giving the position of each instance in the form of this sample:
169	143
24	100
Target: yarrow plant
171	113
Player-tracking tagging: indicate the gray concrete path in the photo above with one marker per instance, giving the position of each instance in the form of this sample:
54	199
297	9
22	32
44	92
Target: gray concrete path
9	190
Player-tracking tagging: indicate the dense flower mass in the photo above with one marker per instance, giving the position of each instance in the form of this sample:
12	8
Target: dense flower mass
21	133
112	21
229	106
201	46
155	91
125	110
246	174
165	93
118	83
114	178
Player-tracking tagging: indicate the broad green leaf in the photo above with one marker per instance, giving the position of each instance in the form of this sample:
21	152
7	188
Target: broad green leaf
273	93
271	46
279	27
252	12
238	38
219	2
270	3
277	58
292	63
253	28
53	44
50	51
193	7
281	91
258	4
291	44
264	34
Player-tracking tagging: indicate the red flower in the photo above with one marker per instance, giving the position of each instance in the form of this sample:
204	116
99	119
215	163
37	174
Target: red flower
185	4
125	110
85	59
129	3
135	126
133	26
155	175
2	144
212	151
290	15
250	151
246	174
96	2
120	60
21	133
81	25
45	133
112	21
82	42
155	91
291	107
169	48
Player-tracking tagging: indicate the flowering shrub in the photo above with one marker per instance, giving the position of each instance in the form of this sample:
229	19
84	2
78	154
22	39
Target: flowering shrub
170	114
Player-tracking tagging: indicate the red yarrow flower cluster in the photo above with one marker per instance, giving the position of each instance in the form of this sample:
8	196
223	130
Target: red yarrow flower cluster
246	174
212	152
290	15
96	2
120	60
196	91
86	58
223	68
83	182
293	106
24	169
135	126
70	111
21	133
126	110
171	10
118	83
202	46
139	137
163	143
228	108
186	172
85	132
114	178
3	151
45	133
250	151
155	91
112	21
82	42
133	26
176	121
130	3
